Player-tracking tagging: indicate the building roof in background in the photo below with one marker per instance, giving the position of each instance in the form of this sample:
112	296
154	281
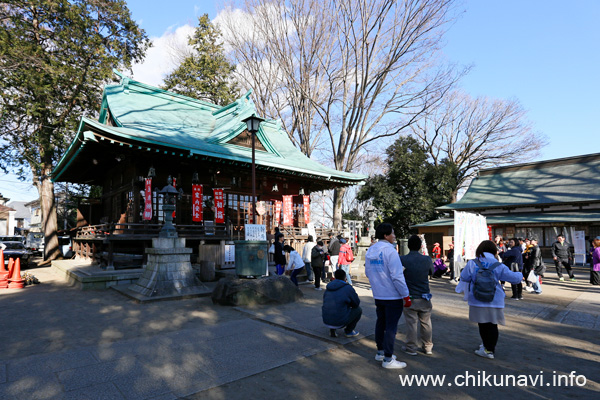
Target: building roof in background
22	211
525	218
550	182
141	116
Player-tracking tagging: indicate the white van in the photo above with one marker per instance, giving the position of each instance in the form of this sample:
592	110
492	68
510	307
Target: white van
65	244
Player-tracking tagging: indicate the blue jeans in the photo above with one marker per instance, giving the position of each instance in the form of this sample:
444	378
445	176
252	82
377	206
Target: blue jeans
346	269
309	271
388	315
295	273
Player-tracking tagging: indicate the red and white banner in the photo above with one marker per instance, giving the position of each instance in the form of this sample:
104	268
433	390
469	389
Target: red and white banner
277	215
306	200
148	200
197	203
219	206
287	210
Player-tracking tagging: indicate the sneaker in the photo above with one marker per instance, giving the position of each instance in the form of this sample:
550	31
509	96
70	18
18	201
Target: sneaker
426	352
409	351
520	298
482	352
352	334
561	279
381	357
393	364
573	280
529	289
318	288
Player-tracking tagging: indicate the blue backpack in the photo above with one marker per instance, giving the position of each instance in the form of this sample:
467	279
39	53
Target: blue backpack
484	285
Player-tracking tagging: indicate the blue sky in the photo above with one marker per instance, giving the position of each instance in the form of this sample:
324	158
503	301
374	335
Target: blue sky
546	54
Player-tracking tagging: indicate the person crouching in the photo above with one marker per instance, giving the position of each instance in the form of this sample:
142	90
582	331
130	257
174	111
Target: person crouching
341	305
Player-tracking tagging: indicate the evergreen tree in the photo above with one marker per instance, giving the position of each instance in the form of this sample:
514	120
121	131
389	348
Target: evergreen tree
412	188
55	56
205	74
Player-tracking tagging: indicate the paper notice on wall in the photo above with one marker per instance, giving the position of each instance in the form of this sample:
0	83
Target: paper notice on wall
255	232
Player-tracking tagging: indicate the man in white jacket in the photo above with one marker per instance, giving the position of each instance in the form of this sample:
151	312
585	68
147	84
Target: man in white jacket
386	275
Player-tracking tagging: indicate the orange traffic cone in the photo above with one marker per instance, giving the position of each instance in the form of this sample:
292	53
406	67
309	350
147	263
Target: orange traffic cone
3	272
15	281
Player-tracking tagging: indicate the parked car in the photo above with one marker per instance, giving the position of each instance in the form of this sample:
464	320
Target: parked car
35	242
65	244
15	250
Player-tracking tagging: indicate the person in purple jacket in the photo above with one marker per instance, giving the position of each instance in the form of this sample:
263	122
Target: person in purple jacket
487	314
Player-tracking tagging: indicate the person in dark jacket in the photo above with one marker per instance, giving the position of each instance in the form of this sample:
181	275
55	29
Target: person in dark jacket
279	257
417	268
317	261
341	305
561	253
513	259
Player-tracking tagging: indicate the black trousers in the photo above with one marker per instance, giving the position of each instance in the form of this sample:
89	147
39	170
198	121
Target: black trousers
489	335
559	263
317	271
517	291
355	314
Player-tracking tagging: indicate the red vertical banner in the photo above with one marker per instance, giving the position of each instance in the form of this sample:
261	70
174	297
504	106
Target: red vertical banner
287	210
219	206
277	213
175	183
490	232
306	200
148	200
197	203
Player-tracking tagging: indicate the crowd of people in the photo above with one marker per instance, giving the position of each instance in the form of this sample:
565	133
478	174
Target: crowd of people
401	285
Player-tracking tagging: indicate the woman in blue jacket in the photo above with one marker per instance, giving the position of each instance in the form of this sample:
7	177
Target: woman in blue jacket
487	314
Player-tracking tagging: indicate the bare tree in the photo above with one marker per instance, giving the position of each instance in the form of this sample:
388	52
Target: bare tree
476	133
355	70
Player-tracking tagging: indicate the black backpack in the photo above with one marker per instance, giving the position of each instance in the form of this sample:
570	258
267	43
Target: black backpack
485	282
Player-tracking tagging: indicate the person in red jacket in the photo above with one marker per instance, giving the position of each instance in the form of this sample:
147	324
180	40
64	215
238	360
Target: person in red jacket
437	251
345	259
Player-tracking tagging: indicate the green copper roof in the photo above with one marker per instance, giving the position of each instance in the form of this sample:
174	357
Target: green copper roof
566	180
146	114
525	218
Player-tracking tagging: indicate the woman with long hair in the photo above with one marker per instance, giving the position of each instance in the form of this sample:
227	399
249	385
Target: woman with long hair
485	295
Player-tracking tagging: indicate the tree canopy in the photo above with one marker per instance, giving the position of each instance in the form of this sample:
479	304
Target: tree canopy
205	74
412	187
55	56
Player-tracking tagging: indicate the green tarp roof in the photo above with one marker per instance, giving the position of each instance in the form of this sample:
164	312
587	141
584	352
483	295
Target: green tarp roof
525	218
148	115
567	180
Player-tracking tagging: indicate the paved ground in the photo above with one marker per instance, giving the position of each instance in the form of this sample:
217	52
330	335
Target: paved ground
63	343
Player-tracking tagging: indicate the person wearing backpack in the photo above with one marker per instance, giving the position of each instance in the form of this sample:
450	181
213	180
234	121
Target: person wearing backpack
480	282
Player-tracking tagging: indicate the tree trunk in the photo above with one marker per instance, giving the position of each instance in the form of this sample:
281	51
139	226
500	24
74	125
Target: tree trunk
338	199
49	219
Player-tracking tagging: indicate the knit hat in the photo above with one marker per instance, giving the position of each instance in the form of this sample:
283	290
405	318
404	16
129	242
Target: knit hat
342	240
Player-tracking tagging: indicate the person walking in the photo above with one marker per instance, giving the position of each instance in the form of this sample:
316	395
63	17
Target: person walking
341	305
306	257
595	269
317	261
345	258
479	280
295	264
384	270
561	253
417	268
537	267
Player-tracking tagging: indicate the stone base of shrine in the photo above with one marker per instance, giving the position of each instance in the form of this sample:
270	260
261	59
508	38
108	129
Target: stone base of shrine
168	273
